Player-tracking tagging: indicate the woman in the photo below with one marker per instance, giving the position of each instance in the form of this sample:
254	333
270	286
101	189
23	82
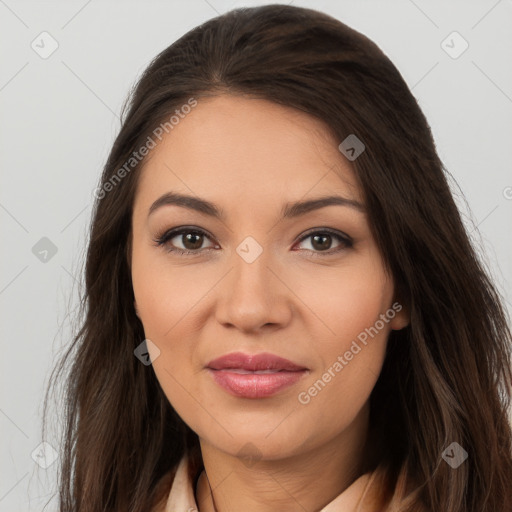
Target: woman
283	310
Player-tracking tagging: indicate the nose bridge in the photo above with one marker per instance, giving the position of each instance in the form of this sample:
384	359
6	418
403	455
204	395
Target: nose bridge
251	275
252	295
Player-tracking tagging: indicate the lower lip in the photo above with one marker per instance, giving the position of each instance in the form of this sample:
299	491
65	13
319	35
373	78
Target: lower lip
255	385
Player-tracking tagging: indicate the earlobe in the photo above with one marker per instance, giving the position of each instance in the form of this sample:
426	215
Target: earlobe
401	318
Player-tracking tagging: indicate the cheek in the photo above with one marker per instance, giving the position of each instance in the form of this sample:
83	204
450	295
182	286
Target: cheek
165	312
351	338
168	304
350	366
344	302
164	295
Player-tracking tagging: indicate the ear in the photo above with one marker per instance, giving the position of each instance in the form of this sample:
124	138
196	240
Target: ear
136	310
401	318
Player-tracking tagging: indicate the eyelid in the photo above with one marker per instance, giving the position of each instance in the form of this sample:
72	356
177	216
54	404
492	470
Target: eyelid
346	241
161	240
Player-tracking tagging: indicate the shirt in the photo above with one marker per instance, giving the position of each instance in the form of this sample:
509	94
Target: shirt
181	496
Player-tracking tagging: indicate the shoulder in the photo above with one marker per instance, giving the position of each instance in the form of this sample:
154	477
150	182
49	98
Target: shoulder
392	494
161	491
182	476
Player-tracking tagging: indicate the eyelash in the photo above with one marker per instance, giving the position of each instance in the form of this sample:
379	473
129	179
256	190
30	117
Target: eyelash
162	239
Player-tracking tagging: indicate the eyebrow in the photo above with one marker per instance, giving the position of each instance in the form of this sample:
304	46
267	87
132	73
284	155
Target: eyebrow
289	210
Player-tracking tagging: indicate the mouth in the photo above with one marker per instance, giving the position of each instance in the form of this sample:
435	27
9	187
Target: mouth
254	376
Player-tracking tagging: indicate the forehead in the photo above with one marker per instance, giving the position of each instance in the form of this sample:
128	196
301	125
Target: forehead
244	148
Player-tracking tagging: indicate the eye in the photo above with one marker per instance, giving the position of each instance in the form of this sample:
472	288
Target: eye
321	241
192	239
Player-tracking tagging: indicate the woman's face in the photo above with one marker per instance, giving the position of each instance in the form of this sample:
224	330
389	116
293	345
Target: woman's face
309	286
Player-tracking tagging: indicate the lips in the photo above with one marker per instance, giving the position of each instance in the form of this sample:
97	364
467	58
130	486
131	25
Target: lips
253	362
254	376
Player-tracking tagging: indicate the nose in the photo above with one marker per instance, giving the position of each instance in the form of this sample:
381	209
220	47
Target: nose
253	297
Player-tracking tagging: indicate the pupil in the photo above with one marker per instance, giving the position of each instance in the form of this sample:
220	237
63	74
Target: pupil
190	236
320	246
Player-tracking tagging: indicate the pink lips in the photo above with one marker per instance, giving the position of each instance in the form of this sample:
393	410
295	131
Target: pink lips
254	376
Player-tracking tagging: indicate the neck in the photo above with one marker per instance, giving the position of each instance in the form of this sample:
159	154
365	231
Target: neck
283	484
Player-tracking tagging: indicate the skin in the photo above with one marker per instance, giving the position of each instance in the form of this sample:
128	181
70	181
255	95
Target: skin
250	157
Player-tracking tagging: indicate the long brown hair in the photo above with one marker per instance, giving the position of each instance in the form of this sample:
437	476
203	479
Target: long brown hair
446	377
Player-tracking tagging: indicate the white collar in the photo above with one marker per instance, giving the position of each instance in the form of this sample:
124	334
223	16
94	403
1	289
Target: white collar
181	496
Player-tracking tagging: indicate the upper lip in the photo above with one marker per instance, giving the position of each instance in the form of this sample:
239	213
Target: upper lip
253	362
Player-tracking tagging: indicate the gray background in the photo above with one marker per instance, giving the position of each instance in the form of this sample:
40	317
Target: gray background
60	115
